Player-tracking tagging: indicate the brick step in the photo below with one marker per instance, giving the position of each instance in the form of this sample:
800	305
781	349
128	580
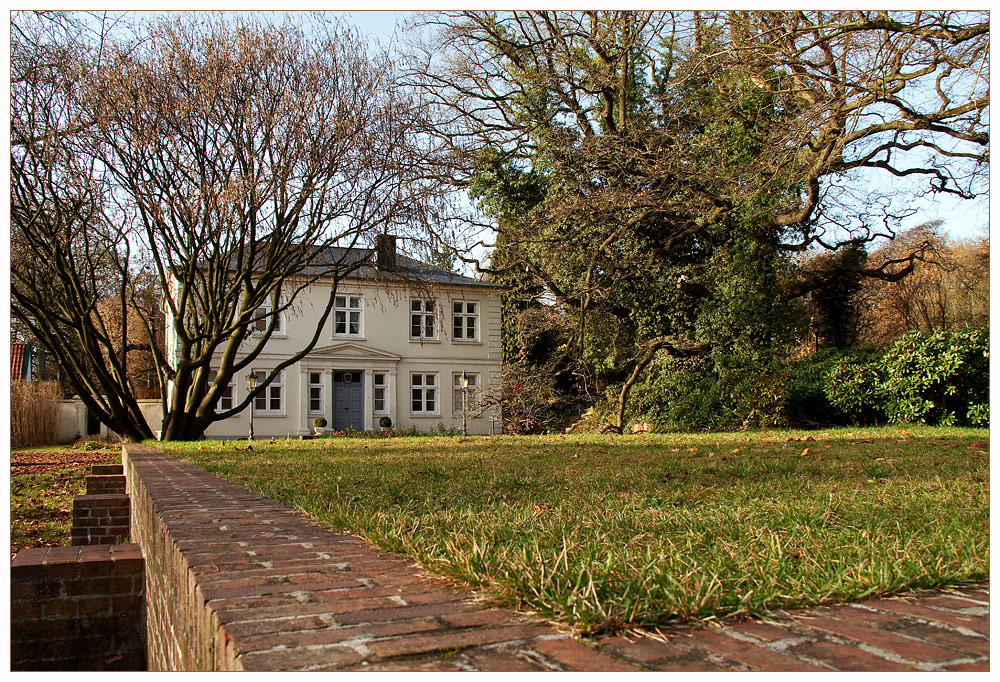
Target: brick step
107	470
100	519
106	484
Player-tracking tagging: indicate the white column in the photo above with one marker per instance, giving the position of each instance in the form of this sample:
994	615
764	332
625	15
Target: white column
390	395
305	427
369	399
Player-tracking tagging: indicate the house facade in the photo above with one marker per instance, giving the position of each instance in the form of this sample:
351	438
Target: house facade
393	347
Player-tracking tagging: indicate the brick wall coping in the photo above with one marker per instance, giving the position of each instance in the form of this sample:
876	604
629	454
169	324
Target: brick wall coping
268	589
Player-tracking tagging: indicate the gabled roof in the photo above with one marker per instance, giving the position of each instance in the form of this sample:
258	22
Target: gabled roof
406	268
352	351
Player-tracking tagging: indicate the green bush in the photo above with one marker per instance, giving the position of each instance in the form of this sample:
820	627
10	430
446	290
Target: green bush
938	379
806	402
942	378
758	396
673	394
853	387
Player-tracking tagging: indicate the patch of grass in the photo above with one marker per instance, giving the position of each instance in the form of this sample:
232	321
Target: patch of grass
608	531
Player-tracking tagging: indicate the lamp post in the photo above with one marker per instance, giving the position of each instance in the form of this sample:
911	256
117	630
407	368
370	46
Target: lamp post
464	381
251	385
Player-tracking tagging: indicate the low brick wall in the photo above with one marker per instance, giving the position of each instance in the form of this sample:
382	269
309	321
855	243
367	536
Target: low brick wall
78	608
236	581
100	519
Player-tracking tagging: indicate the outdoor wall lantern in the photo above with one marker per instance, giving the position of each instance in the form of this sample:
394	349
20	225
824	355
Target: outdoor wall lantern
251	385
464	381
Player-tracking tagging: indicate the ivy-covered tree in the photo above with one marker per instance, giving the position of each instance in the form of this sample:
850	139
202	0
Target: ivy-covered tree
656	175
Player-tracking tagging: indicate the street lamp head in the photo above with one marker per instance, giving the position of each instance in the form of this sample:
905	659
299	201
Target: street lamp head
252	380
465	379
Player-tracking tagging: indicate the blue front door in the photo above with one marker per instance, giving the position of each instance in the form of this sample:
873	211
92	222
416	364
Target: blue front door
348	401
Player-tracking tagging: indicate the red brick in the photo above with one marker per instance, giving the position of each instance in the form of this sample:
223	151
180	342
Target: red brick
976	646
500	660
574	656
766	632
93	605
381	615
29	608
60	608
846	658
901	646
745	653
271	625
978	667
473	618
641	649
47	589
693	661
976	624
426	643
62	571
948	602
332	635
58	555
425	664
297	659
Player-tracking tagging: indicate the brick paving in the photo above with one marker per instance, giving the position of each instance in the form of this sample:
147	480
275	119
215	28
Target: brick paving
285	594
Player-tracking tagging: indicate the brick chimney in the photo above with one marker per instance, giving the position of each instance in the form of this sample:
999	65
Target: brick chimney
385	252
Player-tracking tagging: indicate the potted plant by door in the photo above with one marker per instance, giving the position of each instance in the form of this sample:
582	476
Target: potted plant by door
384	424
319	426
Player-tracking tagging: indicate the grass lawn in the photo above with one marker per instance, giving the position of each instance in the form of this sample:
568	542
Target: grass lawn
605	531
43	482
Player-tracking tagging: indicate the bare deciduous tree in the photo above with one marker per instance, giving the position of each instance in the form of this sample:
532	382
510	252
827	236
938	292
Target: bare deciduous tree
226	157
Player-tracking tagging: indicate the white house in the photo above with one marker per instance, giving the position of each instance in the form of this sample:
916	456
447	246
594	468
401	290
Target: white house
395	346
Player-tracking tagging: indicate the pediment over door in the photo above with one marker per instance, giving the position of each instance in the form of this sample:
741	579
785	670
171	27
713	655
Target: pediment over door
352	351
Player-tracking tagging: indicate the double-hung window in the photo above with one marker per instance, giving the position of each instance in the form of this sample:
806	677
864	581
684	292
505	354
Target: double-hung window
465	321
270	399
315	392
422	323
423	393
262	317
380	389
347	311
472	391
228	396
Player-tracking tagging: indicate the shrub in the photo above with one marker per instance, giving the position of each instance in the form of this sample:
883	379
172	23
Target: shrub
853	386
34	412
681	394
758	396
319	422
385	422
941	378
807	403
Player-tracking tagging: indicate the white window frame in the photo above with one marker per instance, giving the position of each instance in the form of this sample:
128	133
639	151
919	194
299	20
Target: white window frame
274	389
259	325
310	385
230	387
426	316
465	317
382	388
473	392
419	393
346	310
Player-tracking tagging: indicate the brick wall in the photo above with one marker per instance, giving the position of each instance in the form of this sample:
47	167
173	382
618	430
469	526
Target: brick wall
236	581
99	519
78	608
